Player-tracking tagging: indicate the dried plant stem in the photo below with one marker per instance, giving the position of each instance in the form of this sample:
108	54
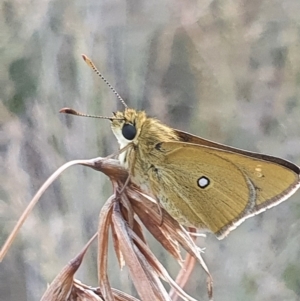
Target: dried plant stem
183	275
119	216
61	286
34	201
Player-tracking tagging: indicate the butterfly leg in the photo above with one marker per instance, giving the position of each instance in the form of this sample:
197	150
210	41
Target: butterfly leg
130	172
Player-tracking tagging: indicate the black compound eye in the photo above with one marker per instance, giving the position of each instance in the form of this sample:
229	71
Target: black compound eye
128	131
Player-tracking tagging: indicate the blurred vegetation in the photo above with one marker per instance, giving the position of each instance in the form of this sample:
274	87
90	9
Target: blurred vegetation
225	70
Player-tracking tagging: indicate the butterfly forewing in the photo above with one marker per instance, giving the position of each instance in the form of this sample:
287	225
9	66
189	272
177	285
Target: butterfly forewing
225	187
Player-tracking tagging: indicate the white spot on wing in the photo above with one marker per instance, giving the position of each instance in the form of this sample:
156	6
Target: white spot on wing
203	182
258	171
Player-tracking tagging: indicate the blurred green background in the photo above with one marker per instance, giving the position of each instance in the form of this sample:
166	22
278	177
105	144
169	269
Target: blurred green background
225	70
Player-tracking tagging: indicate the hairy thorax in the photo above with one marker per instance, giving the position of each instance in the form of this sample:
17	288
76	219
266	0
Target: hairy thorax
142	155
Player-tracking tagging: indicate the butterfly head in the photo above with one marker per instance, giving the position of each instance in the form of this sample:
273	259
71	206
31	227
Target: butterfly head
127	126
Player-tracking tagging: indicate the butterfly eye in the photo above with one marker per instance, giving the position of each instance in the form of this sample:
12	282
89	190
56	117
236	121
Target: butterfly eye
128	131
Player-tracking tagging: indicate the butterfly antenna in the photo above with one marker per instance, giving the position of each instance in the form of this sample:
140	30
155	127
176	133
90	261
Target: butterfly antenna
73	112
91	64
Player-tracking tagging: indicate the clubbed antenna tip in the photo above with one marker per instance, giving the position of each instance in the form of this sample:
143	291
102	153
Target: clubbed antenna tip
74	112
91	64
68	111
